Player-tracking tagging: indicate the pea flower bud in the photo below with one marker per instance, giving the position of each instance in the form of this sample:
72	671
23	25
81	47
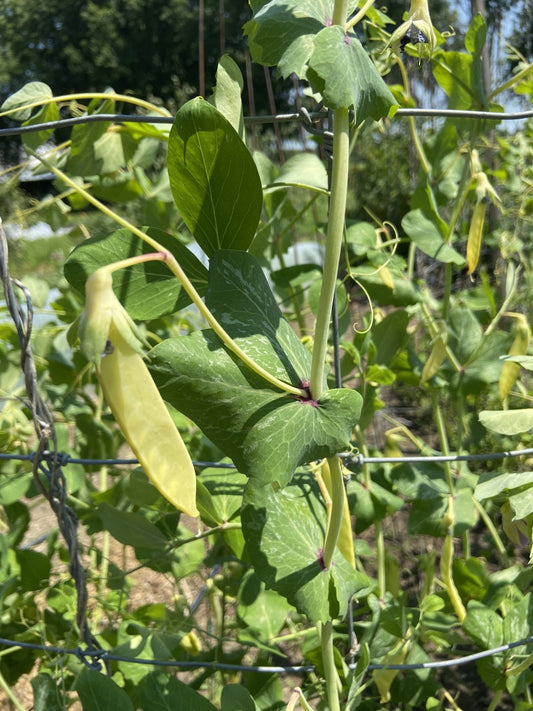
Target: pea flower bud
416	30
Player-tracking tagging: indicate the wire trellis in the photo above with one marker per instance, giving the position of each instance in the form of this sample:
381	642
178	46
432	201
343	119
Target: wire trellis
268	118
47	462
92	658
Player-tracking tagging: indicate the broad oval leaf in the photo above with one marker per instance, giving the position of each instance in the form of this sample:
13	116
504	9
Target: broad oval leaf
284	531
507	422
213	178
265	432
98	692
341	70
427	237
147	290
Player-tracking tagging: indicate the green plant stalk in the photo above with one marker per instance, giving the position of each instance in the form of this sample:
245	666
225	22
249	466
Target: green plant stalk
330	671
176	269
492	530
336	514
10	695
443	439
380	559
339	190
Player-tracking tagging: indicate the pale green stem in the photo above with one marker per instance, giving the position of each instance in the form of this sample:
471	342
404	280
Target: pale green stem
359	16
337	510
10	695
511	82
495	701
380	557
443	438
492	530
176	269
297	697
330	671
339	189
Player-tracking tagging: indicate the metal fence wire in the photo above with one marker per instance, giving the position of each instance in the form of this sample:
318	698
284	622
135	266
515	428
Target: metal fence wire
48	463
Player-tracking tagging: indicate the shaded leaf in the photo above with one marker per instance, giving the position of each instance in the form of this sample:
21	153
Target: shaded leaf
161	692
131	529
98	692
147	290
284	531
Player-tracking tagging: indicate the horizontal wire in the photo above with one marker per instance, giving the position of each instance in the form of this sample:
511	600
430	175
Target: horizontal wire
267	118
357	459
97	655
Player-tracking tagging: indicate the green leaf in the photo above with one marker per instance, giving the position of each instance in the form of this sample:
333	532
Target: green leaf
241	300
282	33
46	695
236	698
486	628
213	178
98	692
284	532
265	432
33	93
226	96
507	422
428	238
303	169
390	335
264	611
48	113
34	569
517	488
161	692
131	529
147	290
341	70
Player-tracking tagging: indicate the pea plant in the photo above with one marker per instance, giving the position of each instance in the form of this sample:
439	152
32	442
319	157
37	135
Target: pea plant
213	355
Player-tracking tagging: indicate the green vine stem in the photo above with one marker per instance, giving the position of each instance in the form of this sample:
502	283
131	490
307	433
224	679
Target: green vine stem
336	514
339	190
176	269
330	671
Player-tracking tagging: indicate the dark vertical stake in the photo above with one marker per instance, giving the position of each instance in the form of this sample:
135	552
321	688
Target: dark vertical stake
201	48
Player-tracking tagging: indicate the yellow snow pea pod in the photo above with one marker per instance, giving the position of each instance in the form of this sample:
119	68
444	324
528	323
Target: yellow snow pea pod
475	234
110	339
520	345
435	360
